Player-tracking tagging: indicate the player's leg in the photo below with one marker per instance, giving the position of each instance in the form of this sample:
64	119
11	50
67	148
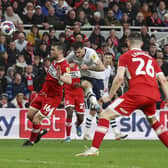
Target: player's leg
158	127
80	109
36	121
80	117
91	96
68	124
88	124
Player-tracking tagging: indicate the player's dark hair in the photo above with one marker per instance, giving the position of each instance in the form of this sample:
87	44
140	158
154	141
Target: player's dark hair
76	45
108	53
134	37
60	46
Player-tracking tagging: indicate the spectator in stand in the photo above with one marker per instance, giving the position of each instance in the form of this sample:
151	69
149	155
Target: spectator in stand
29	78
28	17
117	11
52	19
52	35
161	10
21	6
61	9
153	50
38	17
145	10
113	38
34	36
28	53
96	36
40	78
42	50
45	7
77	30
165	22
15	6
136	4
20	64
17	86
87	44
37	65
19	101
112	48
4	103
123	48
125	20
100	8
110	19
132	12
4	59
154	20
20	29
20	42
79	37
124	38
71	18
86	8
153	41
145	38
46	38
82	18
2	79
12	53
96	20
29	7
2	43
165	50
10	75
11	16
139	21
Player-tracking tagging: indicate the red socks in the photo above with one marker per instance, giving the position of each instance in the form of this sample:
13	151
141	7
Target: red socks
68	126
161	132
101	131
35	130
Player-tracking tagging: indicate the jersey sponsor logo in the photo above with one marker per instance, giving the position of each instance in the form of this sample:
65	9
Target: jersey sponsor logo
134	124
6	125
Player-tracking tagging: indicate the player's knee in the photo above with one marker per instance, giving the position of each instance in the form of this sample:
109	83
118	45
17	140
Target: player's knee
37	118
86	84
151	120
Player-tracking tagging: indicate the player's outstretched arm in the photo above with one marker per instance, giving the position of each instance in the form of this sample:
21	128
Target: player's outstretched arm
164	84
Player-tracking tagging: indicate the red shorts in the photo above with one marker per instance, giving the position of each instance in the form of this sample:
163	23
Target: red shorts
76	102
127	104
46	105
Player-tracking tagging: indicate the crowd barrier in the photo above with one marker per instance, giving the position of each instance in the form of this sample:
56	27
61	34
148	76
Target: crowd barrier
15	125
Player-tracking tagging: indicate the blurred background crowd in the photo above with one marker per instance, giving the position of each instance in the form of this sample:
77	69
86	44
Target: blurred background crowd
24	56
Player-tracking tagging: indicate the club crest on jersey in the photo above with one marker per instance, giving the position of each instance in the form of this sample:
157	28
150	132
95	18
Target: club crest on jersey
67	69
93	57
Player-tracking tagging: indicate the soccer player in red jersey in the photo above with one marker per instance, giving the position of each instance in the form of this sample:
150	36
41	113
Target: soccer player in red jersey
51	93
143	73
74	100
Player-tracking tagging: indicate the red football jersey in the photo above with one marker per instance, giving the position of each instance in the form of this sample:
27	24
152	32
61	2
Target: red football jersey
141	70
71	89
53	86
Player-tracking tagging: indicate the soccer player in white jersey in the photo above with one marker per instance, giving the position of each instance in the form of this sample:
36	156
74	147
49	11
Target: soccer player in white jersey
92	72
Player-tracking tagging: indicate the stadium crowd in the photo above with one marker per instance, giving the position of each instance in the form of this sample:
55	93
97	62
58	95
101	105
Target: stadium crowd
24	57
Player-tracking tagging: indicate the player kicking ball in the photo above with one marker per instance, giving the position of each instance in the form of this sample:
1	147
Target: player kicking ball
50	95
143	73
74	100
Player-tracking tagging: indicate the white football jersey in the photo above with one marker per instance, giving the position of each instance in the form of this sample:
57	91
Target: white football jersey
90	58
109	71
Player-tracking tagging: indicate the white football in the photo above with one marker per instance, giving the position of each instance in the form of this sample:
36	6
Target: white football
7	28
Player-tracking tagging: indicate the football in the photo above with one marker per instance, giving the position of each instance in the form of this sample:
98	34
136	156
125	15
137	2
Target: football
7	28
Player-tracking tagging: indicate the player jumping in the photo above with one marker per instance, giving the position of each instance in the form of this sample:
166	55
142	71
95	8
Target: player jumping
143	73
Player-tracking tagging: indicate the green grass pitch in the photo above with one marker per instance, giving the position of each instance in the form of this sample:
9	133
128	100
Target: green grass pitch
55	154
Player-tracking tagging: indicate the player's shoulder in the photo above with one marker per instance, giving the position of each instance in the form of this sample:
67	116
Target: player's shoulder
90	51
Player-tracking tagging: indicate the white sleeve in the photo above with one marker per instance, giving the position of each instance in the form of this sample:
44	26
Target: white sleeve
94	57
